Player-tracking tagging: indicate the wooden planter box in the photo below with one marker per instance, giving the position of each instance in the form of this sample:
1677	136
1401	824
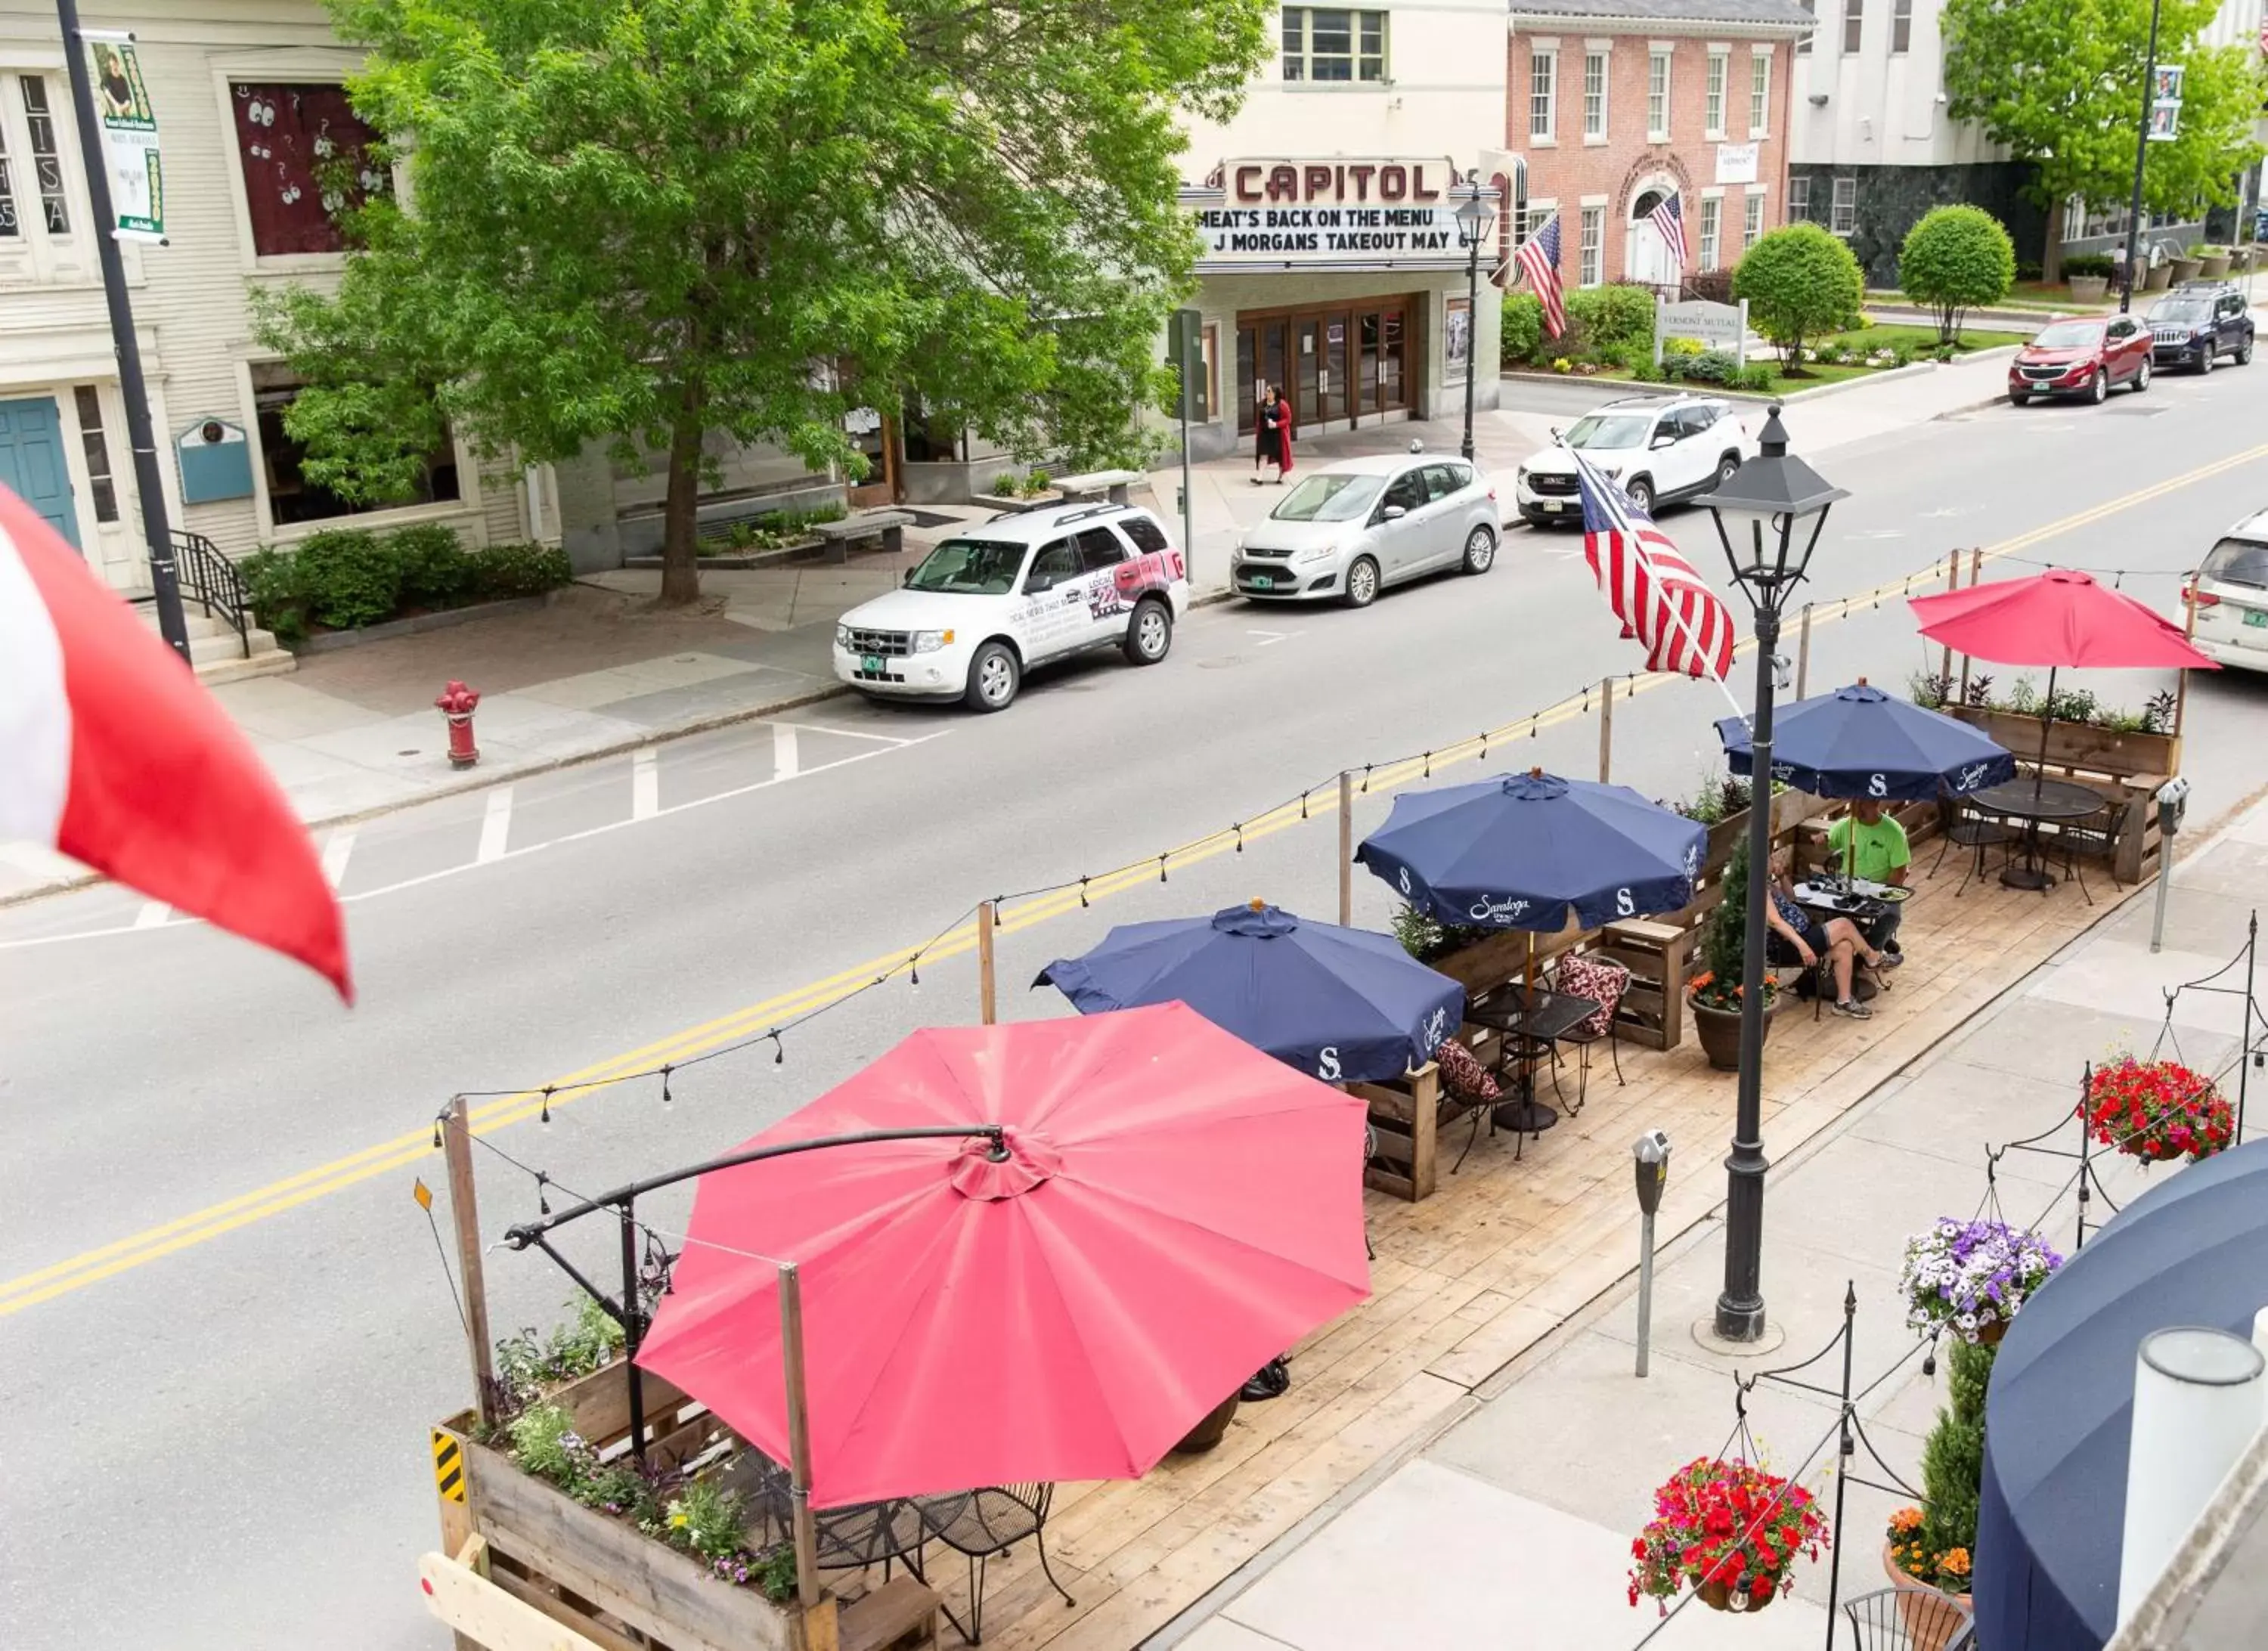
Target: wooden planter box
1402	1116
2126	768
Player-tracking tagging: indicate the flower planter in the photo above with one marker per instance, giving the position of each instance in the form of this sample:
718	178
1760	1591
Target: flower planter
1933	1616
1719	1032
2184	269
1015	503
2157	1111
1701	1536
1725	1597
2158	278
1210	1432
2214	268
2089	289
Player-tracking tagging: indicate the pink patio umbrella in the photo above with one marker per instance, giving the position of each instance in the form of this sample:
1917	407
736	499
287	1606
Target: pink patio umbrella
1172	1209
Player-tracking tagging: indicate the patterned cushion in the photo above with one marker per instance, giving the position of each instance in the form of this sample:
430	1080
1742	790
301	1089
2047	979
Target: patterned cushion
1602	983
1464	1076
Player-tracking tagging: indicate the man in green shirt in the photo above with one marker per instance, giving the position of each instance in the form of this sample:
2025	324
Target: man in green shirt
1872	844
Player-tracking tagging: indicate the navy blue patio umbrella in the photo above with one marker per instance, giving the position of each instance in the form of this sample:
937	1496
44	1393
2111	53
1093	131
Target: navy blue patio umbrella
1531	851
2193	1250
1342	1005
1860	742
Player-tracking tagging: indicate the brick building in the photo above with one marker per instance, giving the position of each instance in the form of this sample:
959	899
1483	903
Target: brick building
1616	103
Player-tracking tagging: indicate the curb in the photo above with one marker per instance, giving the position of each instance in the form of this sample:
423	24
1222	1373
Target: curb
1816	392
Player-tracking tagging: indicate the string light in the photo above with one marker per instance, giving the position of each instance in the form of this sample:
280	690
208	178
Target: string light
1239	837
1082	894
1161	867
547	1104
780	1049
913	964
665	1085
1429	765
543	1202
1366	779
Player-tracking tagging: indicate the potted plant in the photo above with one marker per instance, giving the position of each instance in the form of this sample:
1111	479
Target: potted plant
2186	264
1929	1549
2157	1109
2212	261
1731	1529
2089	276
1972	1276
1715	995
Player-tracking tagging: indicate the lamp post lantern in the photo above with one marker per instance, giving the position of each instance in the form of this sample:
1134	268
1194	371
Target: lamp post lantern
1768	514
1474	217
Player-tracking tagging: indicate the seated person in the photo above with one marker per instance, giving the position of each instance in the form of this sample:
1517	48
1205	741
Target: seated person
1797	937
1869	842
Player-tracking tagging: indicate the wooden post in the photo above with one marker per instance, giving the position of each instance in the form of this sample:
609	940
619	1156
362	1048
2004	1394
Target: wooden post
1803	653
465	1215
1976	572
2182	682
1606	727
1952	583
985	1005
1347	849
799	1436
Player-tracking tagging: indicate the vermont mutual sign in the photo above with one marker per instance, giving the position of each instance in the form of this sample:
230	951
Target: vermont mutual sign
1335	214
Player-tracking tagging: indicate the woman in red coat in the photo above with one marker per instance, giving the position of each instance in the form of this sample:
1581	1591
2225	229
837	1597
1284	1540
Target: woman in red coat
1272	441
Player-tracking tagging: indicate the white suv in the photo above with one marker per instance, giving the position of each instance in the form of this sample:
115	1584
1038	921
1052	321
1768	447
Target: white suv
999	597
1659	447
2231	593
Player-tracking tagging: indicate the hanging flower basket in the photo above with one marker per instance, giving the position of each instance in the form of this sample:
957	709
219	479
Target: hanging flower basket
1729	1528
1972	1276
2156	1111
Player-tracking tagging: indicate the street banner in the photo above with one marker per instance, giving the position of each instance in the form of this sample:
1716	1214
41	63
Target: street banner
129	137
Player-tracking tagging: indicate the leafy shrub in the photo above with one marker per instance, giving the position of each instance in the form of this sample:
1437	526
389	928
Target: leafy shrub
1618	317
1956	259
1800	282
271	582
1712	366
349	578
1646	373
2088	264
528	1366
435	571
2027	270
520	570
1521	329
1755	376
1682	347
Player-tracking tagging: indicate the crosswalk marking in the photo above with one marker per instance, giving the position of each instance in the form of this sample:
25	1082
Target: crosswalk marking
645	784
496	826
785	763
152	915
335	855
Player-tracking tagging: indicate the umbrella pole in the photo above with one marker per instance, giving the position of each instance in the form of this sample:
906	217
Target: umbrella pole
986	999
1803	653
2047	727
798	1438
1952	583
1606	727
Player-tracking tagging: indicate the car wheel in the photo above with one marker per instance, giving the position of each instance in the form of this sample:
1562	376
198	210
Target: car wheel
2098	389
2245	351
2142	377
993	677
2017	398
1727	467
1361	583
1640	493
2205	359
1480	550
1151	634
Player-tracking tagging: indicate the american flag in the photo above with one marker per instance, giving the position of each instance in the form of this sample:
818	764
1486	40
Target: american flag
1652	587
1538	259
1668	217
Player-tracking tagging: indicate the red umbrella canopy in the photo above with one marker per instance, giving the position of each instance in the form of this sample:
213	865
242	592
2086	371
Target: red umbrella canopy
1176	1209
2059	618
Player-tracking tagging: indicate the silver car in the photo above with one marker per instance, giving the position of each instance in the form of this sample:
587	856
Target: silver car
1347	530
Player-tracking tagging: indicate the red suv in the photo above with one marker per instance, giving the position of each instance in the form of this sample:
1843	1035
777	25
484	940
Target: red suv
2082	357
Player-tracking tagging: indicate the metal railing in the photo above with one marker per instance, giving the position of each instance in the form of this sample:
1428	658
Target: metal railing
209	579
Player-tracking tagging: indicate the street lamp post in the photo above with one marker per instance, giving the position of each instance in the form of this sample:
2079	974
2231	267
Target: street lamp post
1473	220
2141	153
1760	511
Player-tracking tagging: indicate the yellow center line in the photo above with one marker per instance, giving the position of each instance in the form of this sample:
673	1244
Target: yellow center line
754	1020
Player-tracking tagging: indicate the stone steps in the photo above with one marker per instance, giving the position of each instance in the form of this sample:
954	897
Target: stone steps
217	655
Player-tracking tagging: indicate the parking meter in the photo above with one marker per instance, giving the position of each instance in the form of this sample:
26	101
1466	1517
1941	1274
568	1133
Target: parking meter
2173	801
1650	1156
2172	804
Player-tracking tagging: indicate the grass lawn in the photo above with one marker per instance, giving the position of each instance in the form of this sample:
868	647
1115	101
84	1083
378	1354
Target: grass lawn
2025	295
1816	373
1923	340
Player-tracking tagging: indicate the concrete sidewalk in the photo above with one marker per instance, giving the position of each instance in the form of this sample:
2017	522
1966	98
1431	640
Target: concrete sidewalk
1513	1525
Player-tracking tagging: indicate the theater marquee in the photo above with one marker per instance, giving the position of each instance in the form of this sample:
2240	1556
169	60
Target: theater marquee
1343	213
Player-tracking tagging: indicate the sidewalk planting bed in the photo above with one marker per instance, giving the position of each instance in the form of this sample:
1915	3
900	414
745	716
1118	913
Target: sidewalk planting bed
349	578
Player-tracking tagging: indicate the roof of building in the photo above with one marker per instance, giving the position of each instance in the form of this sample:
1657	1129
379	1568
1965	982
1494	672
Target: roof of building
1776	15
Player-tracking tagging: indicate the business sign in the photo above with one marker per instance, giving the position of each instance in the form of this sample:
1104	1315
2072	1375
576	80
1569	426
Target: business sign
1737	163
1718	326
1338	213
129	135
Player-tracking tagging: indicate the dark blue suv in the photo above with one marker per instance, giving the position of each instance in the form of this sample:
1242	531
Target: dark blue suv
2197	321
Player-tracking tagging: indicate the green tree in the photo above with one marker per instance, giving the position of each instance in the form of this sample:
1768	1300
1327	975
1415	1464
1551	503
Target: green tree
1801	282
1953	1456
2061	82
1958	258
644	223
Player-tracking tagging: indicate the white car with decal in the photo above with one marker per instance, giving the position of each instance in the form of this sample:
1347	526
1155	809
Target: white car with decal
997	598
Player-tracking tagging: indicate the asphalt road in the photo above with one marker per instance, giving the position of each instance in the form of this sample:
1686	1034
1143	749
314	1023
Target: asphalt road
223	1322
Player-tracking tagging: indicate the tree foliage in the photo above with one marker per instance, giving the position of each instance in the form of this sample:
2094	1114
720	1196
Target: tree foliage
2062	82
1956	259
641	222
1801	282
1953	1456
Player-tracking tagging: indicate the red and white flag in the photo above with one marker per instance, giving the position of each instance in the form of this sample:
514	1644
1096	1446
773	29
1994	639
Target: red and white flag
1654	590
112	753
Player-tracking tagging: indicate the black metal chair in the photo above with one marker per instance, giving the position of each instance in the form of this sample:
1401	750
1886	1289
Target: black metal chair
2097	833
1910	1619
1610	998
982	1524
1968	827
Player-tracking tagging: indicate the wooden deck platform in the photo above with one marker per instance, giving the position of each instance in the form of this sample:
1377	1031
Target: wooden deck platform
1468	1280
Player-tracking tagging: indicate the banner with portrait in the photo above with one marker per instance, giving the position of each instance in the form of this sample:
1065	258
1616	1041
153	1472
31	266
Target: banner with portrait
129	137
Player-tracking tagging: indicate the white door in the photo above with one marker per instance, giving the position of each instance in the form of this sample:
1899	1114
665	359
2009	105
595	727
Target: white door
1698	446
1647	253
1051	615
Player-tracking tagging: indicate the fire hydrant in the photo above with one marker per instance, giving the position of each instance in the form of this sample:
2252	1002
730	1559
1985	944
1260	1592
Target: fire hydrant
456	704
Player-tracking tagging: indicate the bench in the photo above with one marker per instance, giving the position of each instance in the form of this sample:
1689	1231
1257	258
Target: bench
888	526
1111	484
899	1616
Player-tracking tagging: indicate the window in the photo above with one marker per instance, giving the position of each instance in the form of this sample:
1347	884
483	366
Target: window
1799	200
11	226
1593	235
1543	74
1803	46
1752	224
1440	481
291	496
1657	97
97	452
1843	215
1759	95
1407	491
1333	47
1901	27
1713	105
47	159
1148	537
1712	213
1208	397
1854	25
1055	564
305	158
1594	96
1097	549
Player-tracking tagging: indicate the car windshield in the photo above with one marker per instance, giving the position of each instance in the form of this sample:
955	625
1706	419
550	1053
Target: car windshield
2069	336
969	567
1610	429
2239	562
1329	499
2186	311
